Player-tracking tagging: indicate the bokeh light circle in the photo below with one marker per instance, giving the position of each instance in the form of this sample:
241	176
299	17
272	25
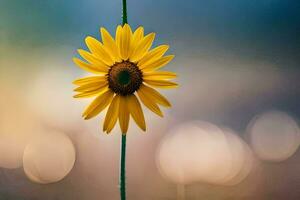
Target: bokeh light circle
202	152
49	158
274	136
241	158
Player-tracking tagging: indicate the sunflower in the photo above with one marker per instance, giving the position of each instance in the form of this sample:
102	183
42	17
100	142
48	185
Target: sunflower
124	68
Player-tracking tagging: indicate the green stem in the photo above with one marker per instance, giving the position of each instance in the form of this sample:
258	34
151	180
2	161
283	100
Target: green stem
124	17
123	142
122	169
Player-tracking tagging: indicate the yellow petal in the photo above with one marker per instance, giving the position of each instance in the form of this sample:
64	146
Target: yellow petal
156	96
142	47
159	75
136	111
92	93
119	31
110	44
112	114
157	64
138	35
136	38
96	47
149	103
125	42
88	67
98	104
93	60
123	114
90	86
89	79
153	55
161	83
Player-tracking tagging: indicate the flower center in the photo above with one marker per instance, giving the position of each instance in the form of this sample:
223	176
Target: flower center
124	78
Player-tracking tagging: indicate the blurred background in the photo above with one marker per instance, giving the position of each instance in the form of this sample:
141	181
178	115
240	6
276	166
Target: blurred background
233	130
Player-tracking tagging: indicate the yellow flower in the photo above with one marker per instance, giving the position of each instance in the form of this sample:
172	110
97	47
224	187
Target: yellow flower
124	66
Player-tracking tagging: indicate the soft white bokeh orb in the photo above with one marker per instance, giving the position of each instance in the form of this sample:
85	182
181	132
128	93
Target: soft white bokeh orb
242	158
248	165
274	136
49	158
201	152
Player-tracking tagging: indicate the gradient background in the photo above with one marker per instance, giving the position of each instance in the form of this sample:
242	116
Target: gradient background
235	59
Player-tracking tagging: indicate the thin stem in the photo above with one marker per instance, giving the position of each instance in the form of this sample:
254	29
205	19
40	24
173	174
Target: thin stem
122	169
124	17
123	142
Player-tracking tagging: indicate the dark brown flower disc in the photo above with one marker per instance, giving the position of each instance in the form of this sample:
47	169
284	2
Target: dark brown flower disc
124	78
